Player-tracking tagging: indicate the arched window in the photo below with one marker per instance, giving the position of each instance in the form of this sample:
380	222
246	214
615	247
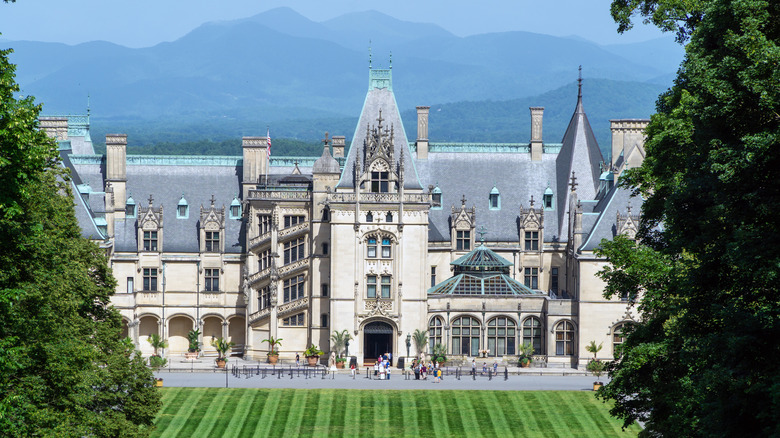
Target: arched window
618	337
435	327
369	217
465	336
532	333
501	336
389	217
564	338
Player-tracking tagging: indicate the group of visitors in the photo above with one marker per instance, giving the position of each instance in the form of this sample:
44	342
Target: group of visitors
484	367
382	366
422	369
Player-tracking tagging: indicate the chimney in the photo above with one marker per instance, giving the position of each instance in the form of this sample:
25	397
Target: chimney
338	146
537	113
255	161
116	177
54	127
627	134
422	132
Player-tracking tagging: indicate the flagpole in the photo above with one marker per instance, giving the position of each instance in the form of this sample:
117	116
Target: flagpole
267	153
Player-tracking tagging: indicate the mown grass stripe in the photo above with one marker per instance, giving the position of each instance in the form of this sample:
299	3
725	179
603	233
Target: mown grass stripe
204	413
247	414
268	413
350	422
297	409
575	403
172	400
323	411
490	414
451	412
277	426
310	412
182	416
423	411
437	414
468	415
381	407
560	421
408	416
517	408
595	411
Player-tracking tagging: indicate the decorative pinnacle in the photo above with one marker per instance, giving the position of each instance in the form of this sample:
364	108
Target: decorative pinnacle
579	83
369	54
391	60
325	141
463	201
482	231
532	200
573	182
151	199
212	199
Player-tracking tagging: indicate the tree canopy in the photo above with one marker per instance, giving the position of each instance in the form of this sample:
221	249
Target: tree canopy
64	368
703	360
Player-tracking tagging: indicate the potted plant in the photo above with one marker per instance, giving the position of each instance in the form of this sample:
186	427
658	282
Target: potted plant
420	338
596	367
222	346
273	355
194	347
440	354
157	362
340	340
526	355
313	354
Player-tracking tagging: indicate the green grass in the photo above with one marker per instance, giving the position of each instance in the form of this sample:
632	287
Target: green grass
219	412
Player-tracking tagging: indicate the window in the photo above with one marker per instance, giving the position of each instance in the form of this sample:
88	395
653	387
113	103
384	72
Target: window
325	214
501	336
386	286
150	279
183	209
389	217
463	241
531	240
264	260
465	336
436	199
371	249
293	288
547	200
434	333
264	223
433	276
212	280
371	286
212	241
290	221
264	298
369	217
235	209
324	289
293	250
532	278
554	279
130	285
324	320
150	240
564	338
618	337
494	200
379	182
532	333
385	248
130	207
293	321
325	248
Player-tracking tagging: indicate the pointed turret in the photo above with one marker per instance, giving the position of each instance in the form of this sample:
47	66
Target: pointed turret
580	154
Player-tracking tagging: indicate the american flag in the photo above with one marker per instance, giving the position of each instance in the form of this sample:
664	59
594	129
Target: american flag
268	141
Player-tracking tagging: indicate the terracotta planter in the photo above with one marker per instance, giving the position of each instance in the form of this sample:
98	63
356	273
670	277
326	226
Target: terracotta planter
191	355
221	363
526	364
272	359
313	360
158	383
340	365
596	386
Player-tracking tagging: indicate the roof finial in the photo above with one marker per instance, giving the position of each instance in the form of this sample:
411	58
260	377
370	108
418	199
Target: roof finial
532	200
579	84
369	54
391	60
463	201
482	231
212	199
88	105
151	199
573	182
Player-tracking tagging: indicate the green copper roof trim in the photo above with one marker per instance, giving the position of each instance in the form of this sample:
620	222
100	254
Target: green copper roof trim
470	285
380	78
517	148
481	257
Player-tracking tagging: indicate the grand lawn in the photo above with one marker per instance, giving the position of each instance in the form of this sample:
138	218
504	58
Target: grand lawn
219	412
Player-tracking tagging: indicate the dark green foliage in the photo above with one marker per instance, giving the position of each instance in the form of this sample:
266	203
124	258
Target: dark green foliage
704	359
64	369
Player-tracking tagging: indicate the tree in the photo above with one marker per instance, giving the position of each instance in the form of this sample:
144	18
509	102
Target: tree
420	338
340	339
64	368
703	358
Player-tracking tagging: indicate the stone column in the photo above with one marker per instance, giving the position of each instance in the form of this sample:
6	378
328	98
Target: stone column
537	114
422	132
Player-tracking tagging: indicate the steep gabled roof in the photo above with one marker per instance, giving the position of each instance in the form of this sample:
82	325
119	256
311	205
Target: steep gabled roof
481	258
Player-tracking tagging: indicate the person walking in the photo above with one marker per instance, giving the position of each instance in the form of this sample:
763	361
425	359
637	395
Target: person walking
473	367
297	360
352	369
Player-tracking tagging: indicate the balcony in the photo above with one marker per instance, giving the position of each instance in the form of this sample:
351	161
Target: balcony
259	276
381	198
256	243
293	232
293	268
293	307
259	315
279	195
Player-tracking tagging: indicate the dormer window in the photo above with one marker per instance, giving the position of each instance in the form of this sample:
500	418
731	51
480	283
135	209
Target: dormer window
150	240
436	198
182	209
547	199
130	207
495	199
212	241
380	182
235	209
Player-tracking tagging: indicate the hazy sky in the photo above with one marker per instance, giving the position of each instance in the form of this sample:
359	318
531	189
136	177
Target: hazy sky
140	23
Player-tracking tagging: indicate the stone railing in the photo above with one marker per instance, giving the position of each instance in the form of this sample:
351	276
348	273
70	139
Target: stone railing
280	195
293	231
259	241
380	198
293	306
259	276
293	267
259	315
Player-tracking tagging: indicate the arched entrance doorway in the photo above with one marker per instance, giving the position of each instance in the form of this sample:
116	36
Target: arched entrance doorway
377	340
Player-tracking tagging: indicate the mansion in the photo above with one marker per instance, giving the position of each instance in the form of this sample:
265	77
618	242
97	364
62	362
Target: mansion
484	246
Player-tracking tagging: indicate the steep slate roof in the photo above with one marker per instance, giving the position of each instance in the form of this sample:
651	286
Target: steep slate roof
516	177
380	97
580	154
605	226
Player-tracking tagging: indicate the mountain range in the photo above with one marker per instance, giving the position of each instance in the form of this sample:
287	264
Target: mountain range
282	69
